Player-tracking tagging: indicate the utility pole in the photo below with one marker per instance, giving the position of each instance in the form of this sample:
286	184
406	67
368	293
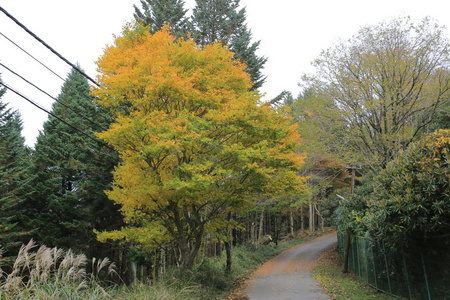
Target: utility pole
352	183
347	233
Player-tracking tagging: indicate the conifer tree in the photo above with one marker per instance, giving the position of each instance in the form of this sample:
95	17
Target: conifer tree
157	13
224	21
72	170
13	167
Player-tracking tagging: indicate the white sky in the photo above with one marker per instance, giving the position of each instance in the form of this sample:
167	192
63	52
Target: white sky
292	34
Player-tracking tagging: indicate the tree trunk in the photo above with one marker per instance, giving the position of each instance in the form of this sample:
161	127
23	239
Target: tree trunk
141	273
261	226
276	229
163	261
252	233
302	219
229	260
291	222
189	247
311	218
133	272
228	249
192	253
154	268
321	221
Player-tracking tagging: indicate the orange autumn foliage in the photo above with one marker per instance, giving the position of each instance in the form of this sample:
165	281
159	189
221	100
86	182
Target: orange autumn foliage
195	143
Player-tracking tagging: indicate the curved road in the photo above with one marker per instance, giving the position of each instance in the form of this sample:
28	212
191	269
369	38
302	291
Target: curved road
289	275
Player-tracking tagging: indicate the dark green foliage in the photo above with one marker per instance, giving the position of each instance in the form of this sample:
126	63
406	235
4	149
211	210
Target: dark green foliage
216	20
71	173
350	214
224	21
411	196
442	119
408	200
14	162
158	13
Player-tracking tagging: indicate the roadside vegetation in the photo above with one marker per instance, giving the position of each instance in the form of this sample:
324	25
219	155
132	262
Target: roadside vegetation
51	273
328	272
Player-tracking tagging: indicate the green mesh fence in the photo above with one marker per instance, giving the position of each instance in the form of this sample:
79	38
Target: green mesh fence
422	271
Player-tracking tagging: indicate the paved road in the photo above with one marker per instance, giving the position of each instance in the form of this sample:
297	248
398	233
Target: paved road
289	275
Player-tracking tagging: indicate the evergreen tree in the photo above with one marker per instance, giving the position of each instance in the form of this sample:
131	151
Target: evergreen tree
157	13
13	167
442	119
222	20
71	172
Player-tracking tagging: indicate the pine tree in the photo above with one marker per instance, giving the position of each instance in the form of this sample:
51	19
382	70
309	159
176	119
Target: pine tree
223	20
72	170
14	163
157	13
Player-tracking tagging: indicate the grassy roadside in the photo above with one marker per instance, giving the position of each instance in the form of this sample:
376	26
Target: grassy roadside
339	286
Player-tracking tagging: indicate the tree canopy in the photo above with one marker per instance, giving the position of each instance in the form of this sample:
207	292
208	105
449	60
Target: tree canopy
196	144
388	81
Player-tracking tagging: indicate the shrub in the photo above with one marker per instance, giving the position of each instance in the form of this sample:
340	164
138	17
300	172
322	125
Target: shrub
411	199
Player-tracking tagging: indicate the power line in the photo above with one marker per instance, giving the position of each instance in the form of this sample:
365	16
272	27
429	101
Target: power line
47	46
98	141
42	64
54	98
48	112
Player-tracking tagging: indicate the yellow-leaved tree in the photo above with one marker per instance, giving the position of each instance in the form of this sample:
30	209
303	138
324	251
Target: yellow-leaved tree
195	144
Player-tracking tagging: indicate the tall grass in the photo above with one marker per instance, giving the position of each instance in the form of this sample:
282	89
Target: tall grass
52	273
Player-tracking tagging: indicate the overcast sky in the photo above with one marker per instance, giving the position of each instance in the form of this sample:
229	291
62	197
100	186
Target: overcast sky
292	34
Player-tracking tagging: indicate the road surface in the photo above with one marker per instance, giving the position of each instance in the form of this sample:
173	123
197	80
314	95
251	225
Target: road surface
288	275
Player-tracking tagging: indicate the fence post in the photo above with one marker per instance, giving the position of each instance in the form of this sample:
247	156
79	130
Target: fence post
405	273
374	269
425	275
387	269
357	255
353	256
367	259
346	251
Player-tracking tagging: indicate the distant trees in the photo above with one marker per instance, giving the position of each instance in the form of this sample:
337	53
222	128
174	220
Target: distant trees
323	141
212	21
196	144
388	82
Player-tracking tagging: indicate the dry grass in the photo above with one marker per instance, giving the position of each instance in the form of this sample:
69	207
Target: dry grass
52	273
